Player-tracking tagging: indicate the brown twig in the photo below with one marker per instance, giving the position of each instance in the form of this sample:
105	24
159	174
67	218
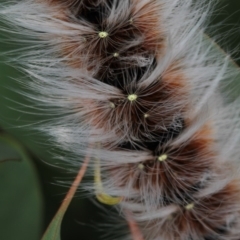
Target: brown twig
53	230
76	182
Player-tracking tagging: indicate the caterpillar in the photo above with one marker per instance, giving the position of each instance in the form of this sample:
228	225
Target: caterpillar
137	85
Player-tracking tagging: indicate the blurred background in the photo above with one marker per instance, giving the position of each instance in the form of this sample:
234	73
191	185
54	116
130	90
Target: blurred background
32	181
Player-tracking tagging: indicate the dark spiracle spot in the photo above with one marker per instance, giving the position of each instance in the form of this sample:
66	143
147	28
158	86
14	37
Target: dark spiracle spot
152	145
138	145
121	78
131	146
121	75
94	13
187	195
172	132
159	139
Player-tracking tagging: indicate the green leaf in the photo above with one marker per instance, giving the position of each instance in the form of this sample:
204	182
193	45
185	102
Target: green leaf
54	229
230	87
21	206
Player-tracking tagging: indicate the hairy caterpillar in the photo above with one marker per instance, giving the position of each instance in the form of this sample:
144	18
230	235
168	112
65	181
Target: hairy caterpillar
137	81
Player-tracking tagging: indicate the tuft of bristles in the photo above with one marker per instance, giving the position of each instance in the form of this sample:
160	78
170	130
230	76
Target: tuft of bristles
139	82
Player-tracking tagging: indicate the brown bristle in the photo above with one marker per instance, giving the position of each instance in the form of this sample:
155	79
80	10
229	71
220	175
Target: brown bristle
210	214
210	218
122	32
179	175
145	16
156	99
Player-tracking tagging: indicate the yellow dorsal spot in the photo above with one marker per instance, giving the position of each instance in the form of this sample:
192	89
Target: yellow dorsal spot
116	54
132	97
162	157
146	115
102	34
189	206
112	105
141	166
131	20
100	194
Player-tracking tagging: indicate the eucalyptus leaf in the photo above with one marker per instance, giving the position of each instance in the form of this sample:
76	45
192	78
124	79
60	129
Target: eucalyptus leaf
53	231
21	203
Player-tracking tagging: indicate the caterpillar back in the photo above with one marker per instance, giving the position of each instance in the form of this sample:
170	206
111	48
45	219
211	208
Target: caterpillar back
139	86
